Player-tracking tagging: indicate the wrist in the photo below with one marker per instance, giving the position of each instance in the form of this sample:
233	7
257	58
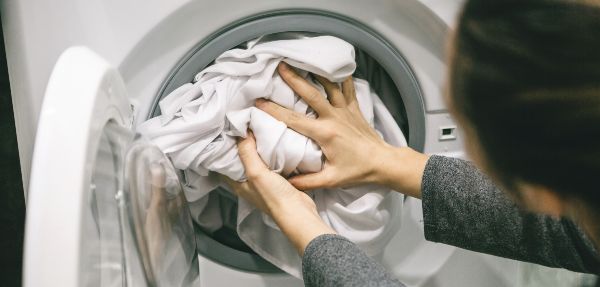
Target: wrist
300	222
402	170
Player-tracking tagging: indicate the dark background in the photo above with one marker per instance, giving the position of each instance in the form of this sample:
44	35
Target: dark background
12	200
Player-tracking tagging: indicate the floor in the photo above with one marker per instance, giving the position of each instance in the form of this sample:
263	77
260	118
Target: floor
12	201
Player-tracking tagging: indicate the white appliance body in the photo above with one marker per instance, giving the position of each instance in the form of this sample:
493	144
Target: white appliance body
144	41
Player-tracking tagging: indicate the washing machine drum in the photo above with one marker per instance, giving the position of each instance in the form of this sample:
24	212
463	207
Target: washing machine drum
378	62
105	207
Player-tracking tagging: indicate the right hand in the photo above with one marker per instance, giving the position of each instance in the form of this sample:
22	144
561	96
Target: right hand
294	211
354	152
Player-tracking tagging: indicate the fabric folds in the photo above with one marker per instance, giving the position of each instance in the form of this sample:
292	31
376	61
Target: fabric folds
199	122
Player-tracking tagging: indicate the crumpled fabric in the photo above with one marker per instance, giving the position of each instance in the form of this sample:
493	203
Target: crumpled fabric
200	121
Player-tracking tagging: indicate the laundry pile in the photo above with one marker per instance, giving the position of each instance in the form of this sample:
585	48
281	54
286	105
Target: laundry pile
200	121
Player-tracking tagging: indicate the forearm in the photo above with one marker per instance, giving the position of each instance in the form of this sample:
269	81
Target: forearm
300	225
462	207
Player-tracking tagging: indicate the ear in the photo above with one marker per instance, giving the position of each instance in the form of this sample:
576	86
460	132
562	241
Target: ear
541	199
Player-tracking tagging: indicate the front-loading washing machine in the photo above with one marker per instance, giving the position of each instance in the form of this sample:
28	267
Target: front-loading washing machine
87	207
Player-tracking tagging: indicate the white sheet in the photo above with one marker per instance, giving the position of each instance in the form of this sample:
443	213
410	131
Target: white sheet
200	121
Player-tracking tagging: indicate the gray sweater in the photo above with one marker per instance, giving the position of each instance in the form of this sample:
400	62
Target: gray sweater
461	207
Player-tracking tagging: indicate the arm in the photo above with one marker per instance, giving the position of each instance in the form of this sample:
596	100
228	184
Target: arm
327	259
462	207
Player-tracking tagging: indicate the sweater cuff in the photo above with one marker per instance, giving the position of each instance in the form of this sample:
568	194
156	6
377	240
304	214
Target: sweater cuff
318	242
317	247
430	196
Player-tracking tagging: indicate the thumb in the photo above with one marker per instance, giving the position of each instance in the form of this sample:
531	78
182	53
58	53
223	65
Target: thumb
249	156
321	179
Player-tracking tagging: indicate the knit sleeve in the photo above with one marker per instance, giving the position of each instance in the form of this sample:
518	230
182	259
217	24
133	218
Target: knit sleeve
462	207
332	260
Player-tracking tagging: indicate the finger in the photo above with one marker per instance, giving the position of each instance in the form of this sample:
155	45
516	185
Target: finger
348	91
294	120
305	90
310	181
336	98
250	159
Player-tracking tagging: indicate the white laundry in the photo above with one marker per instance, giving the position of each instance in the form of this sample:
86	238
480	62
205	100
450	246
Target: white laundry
199	122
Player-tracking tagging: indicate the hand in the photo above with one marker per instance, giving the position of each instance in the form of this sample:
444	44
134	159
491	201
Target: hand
354	152
294	212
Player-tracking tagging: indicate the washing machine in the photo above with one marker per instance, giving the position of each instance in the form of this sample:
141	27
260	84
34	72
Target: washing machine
84	74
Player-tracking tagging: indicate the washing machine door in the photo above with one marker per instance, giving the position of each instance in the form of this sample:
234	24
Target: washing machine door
105	207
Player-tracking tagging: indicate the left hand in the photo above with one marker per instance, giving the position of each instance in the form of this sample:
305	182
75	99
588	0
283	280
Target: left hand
354	152
294	211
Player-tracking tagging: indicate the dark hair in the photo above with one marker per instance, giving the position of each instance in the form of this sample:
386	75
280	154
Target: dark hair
525	75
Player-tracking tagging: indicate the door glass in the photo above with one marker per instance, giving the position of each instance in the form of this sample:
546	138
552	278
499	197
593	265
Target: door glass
103	260
162	225
137	230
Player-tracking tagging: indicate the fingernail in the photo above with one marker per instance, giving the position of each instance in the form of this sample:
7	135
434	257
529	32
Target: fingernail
283	65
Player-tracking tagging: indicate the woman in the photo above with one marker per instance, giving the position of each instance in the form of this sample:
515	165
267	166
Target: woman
524	83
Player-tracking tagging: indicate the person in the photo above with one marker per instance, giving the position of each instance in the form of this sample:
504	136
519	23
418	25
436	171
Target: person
524	84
